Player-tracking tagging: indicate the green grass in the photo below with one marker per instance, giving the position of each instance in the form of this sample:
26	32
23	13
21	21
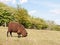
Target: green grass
35	37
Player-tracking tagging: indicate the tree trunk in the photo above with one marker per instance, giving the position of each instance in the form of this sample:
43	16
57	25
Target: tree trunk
5	24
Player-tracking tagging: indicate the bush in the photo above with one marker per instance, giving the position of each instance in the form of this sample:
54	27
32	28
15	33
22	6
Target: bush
56	28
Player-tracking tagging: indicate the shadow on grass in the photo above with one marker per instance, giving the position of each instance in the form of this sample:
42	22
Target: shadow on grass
17	36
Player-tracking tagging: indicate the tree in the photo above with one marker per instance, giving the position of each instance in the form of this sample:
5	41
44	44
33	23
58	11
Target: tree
38	23
5	17
23	17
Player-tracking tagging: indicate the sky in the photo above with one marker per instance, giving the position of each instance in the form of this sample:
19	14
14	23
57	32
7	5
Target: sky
46	9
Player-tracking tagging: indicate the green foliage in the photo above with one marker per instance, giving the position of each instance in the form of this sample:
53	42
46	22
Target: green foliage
21	15
56	27
38	23
5	16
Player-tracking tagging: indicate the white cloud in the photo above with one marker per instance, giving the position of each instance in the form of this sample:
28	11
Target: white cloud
57	21
4	0
32	12
14	1
7	1
23	1
50	4
55	11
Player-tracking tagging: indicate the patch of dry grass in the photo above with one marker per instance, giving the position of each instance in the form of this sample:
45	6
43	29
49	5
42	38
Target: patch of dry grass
35	37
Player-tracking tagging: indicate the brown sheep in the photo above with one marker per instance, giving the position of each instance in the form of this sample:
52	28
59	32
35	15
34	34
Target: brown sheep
17	28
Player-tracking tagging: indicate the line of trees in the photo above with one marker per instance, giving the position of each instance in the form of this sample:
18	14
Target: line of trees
21	15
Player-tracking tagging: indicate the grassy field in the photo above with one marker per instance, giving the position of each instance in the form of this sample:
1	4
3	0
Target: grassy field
35	37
